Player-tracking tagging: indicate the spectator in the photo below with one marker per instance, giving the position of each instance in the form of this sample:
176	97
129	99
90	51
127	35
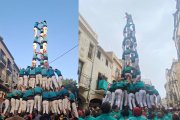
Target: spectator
81	115
88	115
115	112
124	114
175	117
137	112
105	108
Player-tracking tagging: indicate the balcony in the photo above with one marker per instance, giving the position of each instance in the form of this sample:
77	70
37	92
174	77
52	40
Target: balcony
84	82
102	87
2	62
9	69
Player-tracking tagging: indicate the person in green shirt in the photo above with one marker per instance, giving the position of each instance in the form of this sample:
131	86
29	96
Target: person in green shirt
125	114
44	27
152	96
65	95
37	98
156	93
88	115
115	112
30	99
35	42
125	91
147	87
134	58
112	89
73	104
38	75
44	74
140	93
32	75
26	74
106	109
8	97
107	97
20	78
60	77
119	92
131	93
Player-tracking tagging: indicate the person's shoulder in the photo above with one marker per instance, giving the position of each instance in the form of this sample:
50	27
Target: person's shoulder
132	118
143	118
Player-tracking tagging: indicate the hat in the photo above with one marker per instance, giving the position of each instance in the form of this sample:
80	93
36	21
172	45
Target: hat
137	111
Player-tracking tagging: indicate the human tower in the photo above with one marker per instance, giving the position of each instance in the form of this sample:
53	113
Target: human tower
128	90
39	87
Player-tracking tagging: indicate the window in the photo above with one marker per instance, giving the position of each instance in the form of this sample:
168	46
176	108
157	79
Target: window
99	54
80	67
106	62
90	53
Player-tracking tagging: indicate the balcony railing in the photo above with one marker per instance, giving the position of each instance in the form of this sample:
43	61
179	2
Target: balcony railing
84	81
9	69
102	85
2	61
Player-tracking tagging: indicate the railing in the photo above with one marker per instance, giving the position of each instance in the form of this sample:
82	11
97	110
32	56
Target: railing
2	59
84	81
10	68
102	85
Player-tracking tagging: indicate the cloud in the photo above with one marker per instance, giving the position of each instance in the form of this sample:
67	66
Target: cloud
154	30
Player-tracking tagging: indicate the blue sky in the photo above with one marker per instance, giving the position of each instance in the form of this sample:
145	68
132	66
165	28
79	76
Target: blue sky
16	27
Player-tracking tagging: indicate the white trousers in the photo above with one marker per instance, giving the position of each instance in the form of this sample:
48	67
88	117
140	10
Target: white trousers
20	81
20	106
45	106
74	110
152	99
25	80
54	81
13	105
158	100
125	98
131	98
44	82
60	105
7	103
24	105
37	102
32	82
119	98
142	98
148	101
60	81
113	98
30	106
107	97
39	79
49	83
137	97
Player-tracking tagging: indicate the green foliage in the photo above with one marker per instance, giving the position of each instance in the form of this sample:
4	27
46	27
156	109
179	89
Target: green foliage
70	84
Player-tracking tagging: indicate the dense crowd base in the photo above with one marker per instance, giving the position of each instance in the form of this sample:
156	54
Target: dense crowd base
106	112
37	116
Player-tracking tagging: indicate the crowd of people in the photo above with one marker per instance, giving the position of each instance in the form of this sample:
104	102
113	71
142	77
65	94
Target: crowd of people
125	92
106	112
39	91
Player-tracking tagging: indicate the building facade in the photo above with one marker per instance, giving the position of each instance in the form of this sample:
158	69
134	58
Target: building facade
116	66
8	68
93	62
172	85
176	34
